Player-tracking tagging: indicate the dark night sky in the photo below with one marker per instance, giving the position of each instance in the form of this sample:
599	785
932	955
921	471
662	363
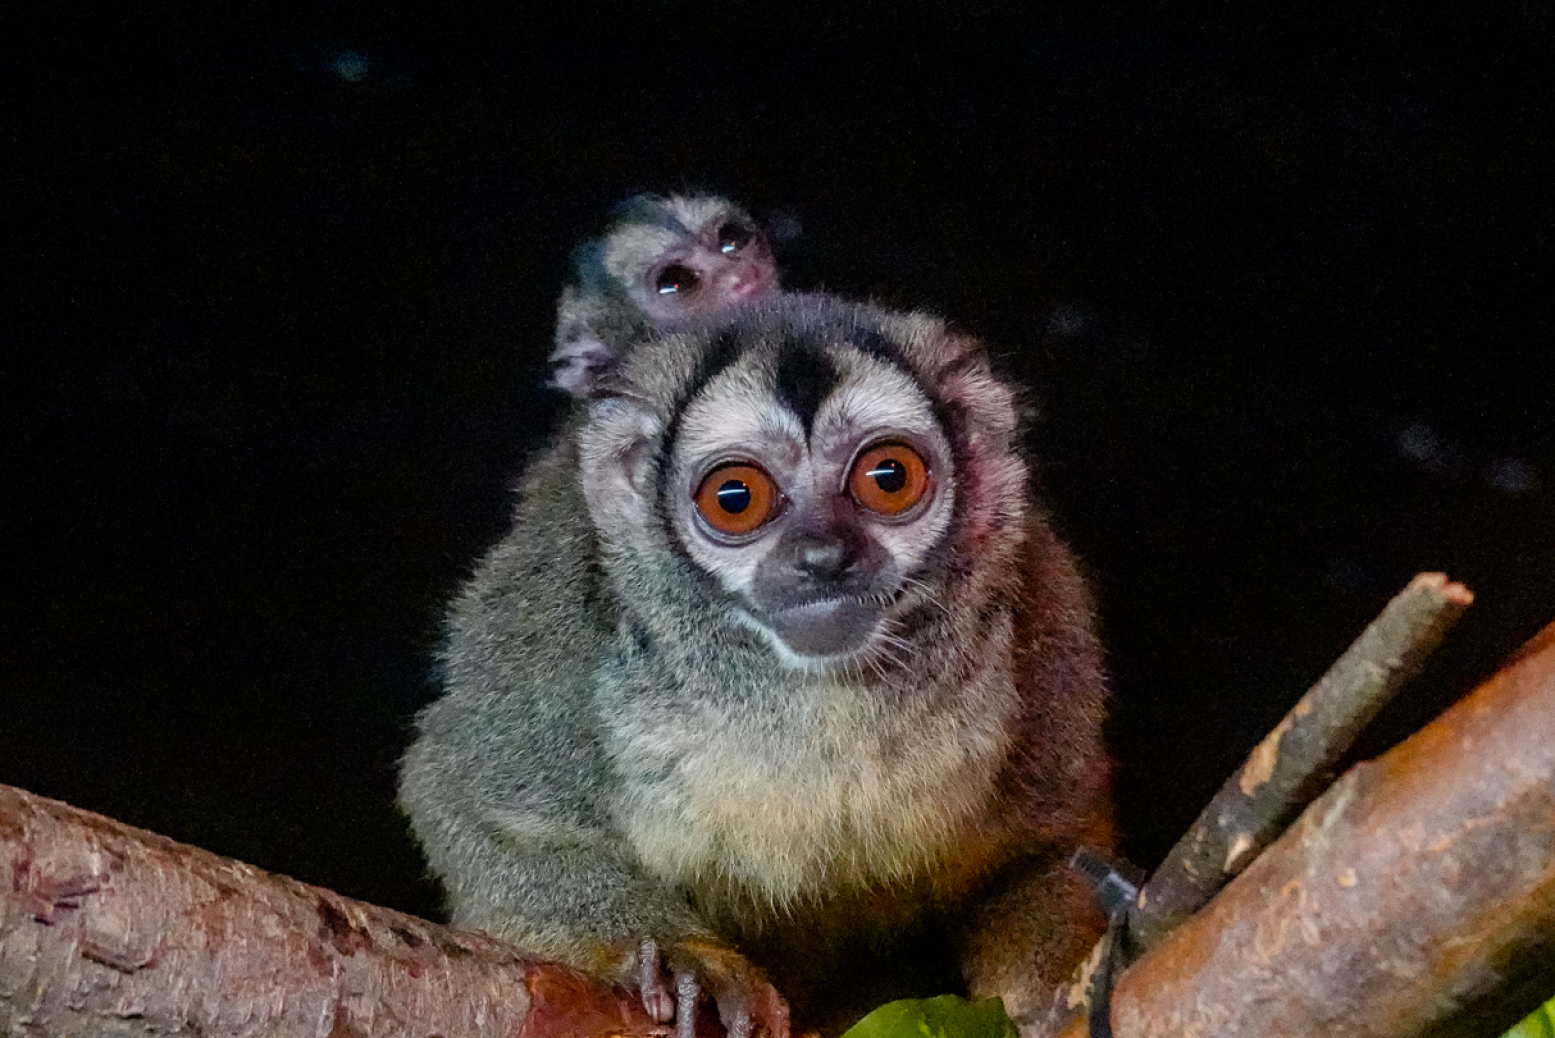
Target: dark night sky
279	292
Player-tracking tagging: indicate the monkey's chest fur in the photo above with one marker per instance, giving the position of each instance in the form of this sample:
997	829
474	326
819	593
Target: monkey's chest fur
813	791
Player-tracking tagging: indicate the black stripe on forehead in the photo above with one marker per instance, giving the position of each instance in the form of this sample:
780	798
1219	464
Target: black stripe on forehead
875	344
649	211
806	375
804	378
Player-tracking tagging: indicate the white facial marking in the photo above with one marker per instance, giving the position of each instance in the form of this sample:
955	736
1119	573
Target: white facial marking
877	397
735	418
880	402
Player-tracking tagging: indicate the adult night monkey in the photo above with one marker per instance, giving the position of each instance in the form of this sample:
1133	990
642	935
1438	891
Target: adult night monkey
779	683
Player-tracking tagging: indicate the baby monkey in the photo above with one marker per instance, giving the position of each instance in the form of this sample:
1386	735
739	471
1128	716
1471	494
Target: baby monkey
665	264
780	682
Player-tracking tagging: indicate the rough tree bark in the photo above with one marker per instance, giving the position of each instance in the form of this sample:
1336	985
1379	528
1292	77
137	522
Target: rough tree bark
110	930
1415	897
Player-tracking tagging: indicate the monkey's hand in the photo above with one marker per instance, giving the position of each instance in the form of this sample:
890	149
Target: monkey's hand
675	977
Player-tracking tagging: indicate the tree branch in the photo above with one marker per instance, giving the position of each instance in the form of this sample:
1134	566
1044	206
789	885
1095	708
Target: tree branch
1415	897
109	930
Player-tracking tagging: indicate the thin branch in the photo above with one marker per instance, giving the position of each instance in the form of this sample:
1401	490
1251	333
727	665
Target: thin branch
1289	767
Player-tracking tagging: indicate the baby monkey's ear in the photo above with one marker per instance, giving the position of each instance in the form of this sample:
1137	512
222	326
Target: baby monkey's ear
586	368
582	363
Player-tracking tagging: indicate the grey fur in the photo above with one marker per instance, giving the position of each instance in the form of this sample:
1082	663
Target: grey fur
634	748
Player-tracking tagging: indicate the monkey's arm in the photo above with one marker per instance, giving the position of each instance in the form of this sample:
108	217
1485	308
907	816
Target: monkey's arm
520	846
1033	924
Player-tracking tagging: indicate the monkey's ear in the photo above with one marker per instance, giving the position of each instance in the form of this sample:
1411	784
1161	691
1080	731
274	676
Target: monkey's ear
616	465
966	379
585	367
958	366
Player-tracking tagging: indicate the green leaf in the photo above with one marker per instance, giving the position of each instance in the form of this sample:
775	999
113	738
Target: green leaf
946	1016
1539	1024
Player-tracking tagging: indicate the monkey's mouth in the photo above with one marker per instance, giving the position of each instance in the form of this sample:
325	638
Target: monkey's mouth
750	285
827	627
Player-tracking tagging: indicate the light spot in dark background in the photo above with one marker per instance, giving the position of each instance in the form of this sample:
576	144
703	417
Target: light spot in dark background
349	65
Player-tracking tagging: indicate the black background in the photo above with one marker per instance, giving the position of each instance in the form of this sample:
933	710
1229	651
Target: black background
280	284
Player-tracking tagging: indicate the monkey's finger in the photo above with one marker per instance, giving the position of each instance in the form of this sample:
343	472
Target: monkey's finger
736	1018
750	1007
768	1013
687	991
656	997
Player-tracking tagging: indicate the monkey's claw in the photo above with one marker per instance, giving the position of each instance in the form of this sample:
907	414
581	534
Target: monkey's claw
657	999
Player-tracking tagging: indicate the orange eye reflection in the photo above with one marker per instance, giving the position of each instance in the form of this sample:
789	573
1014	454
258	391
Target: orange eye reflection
889	479
737	498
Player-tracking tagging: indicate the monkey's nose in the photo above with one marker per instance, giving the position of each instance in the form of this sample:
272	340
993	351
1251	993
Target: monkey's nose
822	557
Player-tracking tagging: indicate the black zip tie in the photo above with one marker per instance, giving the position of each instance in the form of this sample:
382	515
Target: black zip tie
1115	888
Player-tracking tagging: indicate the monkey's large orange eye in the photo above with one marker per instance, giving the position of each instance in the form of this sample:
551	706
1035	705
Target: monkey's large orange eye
676	279
889	478
737	498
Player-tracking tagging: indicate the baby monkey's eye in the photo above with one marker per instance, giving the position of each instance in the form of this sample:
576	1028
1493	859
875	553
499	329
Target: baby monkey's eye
737	498
732	237
676	278
889	478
